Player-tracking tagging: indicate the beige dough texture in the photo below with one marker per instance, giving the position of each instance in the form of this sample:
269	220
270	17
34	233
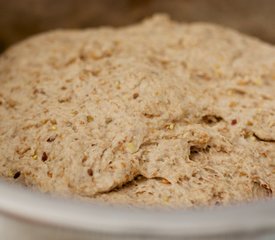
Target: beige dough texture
158	113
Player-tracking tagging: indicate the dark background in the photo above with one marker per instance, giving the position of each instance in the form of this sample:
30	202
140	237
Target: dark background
21	18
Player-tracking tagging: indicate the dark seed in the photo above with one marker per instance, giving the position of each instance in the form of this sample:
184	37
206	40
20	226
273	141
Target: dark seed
234	122
90	172
17	175
44	157
135	95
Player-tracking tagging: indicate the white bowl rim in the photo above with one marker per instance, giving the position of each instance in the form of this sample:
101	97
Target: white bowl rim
23	204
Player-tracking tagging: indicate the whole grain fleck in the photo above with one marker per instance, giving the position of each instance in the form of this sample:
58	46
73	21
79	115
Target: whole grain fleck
135	95
90	172
44	157
17	175
234	122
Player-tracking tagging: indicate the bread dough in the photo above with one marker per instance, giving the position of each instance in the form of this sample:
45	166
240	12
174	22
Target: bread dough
158	113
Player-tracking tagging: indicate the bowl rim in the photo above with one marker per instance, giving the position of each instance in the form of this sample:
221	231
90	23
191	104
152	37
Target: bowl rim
37	208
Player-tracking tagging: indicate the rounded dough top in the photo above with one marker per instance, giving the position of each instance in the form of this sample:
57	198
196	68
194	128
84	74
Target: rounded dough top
155	113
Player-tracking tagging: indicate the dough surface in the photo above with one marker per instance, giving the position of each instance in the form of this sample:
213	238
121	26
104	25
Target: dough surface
158	113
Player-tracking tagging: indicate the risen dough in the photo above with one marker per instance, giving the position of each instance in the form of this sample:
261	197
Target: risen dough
155	113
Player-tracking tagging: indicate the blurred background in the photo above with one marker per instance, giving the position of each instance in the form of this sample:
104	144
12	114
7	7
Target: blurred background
22	18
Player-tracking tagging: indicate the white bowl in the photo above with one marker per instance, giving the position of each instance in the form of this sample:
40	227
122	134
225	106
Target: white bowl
45	217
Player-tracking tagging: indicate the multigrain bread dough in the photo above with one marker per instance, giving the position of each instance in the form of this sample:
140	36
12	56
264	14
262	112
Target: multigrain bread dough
158	113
